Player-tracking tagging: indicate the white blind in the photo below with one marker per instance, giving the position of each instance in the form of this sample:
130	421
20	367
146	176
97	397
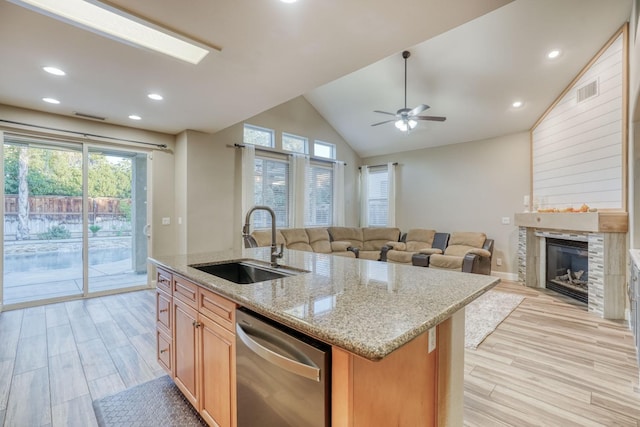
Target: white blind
271	188
319	190
378	196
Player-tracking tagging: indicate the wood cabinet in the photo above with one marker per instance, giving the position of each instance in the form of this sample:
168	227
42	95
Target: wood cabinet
217	355
164	321
201	347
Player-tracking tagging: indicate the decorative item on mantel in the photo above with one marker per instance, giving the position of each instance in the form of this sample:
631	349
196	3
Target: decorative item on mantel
583	208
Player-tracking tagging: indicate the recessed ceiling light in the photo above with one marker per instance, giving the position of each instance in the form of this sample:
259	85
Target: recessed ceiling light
517	104
51	100
55	71
134	117
155	96
116	24
553	54
288	1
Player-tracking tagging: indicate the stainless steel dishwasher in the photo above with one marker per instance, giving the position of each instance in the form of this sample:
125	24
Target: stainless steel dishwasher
283	377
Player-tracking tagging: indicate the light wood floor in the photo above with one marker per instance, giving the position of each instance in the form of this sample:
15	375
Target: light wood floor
550	363
56	359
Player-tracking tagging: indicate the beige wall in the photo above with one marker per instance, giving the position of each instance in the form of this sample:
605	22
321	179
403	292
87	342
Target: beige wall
161	166
465	187
211	194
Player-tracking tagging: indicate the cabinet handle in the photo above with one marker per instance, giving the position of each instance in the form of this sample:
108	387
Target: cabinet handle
164	310
197	324
164	351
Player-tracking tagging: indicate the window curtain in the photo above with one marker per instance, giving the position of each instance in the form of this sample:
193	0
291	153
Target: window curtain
364	196
248	177
338	195
391	195
299	185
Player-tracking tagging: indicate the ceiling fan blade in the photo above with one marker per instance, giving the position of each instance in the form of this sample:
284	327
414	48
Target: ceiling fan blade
384	112
419	109
381	123
432	118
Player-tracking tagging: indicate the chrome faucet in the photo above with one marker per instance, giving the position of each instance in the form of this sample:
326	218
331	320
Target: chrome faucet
274	246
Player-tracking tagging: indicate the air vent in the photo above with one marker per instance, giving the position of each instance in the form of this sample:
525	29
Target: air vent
587	91
89	116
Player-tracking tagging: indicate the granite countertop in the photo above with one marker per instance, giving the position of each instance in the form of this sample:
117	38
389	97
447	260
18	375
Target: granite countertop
635	256
368	308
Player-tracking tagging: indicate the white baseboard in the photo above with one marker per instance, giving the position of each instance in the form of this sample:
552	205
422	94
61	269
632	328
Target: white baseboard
512	277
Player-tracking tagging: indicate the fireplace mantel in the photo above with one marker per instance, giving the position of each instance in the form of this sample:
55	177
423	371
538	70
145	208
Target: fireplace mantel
605	233
594	222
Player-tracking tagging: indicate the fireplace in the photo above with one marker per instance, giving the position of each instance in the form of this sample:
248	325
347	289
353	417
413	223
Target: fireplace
567	266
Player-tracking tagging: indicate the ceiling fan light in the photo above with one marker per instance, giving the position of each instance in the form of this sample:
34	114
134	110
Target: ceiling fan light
412	123
401	125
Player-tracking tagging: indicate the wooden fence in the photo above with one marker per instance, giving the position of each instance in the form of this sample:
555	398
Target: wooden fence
62	205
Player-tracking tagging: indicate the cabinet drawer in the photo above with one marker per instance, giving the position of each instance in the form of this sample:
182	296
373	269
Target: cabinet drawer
217	308
185	291
165	350
163	311
163	281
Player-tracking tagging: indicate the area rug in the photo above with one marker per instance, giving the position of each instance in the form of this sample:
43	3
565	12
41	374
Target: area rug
483	315
155	403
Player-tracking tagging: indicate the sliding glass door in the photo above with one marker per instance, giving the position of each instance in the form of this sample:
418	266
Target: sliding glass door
42	220
74	220
117	241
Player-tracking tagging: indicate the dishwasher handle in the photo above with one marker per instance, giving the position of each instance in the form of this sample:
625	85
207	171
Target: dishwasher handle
293	366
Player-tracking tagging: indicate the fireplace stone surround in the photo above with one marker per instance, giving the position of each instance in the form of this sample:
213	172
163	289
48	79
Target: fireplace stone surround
606	234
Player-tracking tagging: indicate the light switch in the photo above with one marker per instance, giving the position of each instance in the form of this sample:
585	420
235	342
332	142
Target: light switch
166	220
506	220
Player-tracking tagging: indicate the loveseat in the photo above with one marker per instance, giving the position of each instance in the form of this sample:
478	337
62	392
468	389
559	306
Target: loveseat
469	252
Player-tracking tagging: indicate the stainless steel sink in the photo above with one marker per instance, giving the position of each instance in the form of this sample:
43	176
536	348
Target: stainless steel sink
246	272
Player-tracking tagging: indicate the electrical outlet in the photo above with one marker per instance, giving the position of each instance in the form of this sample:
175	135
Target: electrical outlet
506	220
166	220
498	262
432	339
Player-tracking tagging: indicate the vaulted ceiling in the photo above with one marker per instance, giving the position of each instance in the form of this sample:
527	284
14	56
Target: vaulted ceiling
470	60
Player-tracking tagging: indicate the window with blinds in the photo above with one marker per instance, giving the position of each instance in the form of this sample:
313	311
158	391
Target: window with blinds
271	188
378	197
319	191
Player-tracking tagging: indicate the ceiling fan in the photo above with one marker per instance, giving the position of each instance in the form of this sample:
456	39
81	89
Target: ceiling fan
405	118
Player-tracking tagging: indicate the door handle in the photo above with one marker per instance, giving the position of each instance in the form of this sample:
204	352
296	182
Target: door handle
293	366
147	230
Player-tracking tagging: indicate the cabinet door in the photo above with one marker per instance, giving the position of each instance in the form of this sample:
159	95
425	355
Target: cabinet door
163	312
163	280
185	320
218	376
164	351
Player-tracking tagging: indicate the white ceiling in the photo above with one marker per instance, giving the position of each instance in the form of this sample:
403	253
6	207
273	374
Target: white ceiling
472	74
273	52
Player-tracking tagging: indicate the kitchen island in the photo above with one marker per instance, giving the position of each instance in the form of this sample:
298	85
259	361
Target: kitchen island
396	331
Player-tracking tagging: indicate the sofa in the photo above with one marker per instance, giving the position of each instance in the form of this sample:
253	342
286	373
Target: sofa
301	239
315	240
366	242
412	242
469	252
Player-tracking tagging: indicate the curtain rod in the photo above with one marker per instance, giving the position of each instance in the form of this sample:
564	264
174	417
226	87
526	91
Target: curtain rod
84	134
378	166
271	150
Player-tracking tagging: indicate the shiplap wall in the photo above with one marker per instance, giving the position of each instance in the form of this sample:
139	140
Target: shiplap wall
578	147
